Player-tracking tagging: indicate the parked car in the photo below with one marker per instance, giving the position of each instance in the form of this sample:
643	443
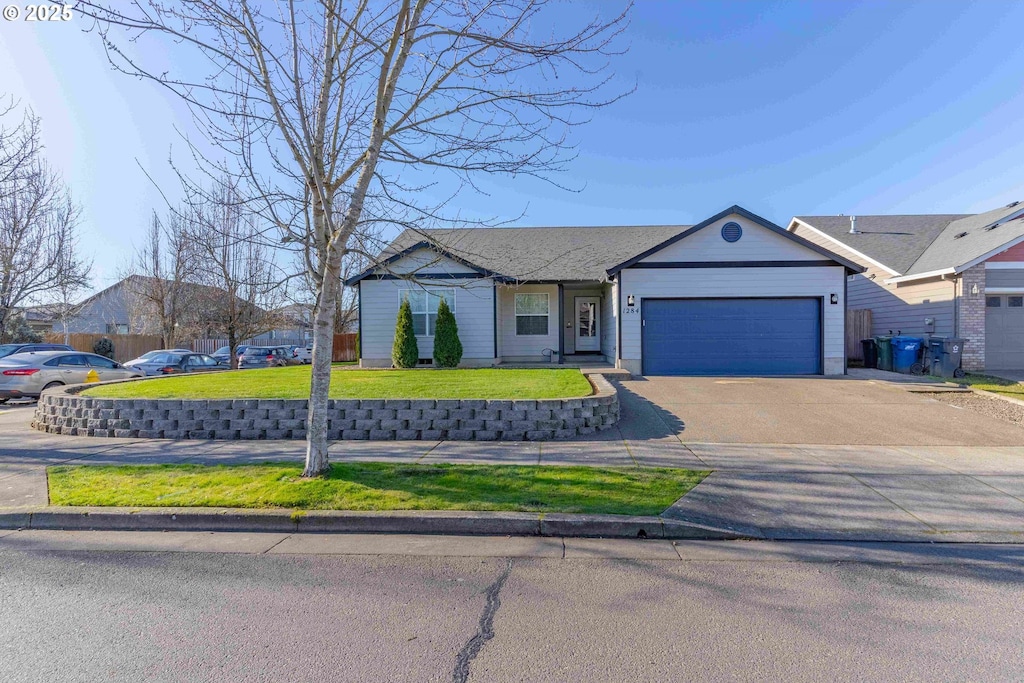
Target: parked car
303	354
26	375
11	349
180	363
264	357
151	362
223	354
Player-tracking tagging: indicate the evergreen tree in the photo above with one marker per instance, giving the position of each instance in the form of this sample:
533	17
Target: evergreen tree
447	347
405	353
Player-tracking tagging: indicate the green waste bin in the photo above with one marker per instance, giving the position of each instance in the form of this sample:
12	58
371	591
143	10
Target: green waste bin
884	343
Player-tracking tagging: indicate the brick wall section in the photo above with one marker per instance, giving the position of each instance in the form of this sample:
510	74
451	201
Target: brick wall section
971	317
63	411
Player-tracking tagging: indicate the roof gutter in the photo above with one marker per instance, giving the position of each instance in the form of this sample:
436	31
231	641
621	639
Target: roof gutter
922	276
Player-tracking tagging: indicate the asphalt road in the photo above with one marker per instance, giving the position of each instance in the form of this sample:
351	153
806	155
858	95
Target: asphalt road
420	610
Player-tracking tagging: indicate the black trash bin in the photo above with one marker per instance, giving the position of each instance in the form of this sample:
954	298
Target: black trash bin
946	356
870	353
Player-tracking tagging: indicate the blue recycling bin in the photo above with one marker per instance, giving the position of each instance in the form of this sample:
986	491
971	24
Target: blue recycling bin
905	351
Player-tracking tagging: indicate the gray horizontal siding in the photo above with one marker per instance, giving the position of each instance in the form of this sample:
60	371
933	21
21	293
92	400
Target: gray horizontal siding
893	307
1004	277
526	347
755	244
609	322
904	307
474	312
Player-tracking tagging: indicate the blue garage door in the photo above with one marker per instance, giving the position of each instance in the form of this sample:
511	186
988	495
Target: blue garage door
732	336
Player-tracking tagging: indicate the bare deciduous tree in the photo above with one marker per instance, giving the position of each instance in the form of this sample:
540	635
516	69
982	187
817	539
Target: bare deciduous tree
244	284
158	287
340	116
38	223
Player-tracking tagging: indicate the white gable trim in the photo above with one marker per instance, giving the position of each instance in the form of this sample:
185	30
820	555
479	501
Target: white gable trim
878	264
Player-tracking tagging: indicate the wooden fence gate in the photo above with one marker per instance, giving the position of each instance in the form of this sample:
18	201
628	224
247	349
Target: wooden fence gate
858	326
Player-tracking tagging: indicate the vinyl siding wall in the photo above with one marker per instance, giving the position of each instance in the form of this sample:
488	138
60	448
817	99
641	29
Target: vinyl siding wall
894	307
426	261
474	312
109	307
756	244
609	322
530	347
1004	278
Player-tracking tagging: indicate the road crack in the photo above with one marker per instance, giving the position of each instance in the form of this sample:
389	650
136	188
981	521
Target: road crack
486	630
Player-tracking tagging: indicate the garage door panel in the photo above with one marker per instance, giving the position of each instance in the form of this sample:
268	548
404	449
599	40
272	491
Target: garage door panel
732	336
1004	334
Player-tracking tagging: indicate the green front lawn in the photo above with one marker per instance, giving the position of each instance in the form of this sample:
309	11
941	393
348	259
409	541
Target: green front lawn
989	383
293	382
376	486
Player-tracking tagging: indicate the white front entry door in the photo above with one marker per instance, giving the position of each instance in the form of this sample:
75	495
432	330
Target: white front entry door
588	323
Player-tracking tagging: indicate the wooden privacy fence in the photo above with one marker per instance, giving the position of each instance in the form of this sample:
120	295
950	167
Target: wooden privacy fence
126	346
344	345
344	348
858	326
211	345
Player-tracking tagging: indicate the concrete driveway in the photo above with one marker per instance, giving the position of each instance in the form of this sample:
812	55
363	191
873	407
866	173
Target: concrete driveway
836	411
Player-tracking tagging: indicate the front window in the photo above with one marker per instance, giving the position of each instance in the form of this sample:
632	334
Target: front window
117	328
532	314
424	303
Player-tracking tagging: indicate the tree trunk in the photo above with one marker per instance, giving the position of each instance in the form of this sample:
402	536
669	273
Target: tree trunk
323	350
232	346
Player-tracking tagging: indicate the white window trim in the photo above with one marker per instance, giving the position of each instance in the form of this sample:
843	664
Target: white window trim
402	293
547	315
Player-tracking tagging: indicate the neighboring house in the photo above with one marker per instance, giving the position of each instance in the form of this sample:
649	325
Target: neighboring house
944	275
122	308
43	319
733	295
293	324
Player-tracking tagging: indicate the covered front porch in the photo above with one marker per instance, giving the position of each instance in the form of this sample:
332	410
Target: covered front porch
568	323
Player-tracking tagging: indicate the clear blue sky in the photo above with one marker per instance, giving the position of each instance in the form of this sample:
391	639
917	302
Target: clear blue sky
786	108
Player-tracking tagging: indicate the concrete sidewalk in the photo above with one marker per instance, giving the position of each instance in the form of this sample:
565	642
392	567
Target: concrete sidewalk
777	491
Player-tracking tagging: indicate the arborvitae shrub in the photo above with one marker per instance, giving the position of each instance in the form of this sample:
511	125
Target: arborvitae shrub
447	347
405	353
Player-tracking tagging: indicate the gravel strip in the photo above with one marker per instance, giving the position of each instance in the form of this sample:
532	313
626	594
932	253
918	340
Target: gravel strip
987	405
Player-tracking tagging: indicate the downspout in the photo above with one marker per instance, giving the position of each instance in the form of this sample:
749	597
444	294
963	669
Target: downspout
846	318
618	319
561	323
494	317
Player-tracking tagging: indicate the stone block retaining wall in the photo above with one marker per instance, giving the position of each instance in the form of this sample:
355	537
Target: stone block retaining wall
63	411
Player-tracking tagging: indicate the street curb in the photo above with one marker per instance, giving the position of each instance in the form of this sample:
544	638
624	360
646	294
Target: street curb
352	522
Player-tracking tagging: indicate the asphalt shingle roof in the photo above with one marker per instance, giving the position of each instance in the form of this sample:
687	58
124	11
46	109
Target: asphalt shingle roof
894	241
948	250
912	245
543	254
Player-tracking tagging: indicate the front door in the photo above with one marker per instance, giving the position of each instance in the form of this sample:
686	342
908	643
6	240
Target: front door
588	324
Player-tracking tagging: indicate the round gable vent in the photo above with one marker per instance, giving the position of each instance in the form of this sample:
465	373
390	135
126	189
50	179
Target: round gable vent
732	232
